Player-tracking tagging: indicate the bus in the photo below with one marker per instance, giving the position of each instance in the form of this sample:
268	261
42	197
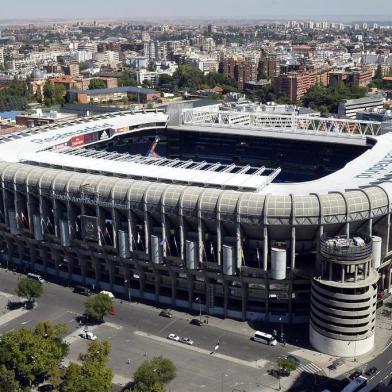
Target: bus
265	338
355	385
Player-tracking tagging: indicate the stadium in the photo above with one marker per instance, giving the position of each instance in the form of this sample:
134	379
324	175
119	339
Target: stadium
252	216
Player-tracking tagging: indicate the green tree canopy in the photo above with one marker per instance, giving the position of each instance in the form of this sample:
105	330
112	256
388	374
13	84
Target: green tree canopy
127	80
29	288
157	371
30	354
329	97
92	375
98	306
286	364
15	96
96	84
54	94
8	382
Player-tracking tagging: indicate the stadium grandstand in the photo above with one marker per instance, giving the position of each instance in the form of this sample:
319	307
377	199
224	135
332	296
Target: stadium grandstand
257	216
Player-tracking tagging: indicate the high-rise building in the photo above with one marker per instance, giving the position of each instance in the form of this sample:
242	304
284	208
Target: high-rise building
294	85
155	50
241	71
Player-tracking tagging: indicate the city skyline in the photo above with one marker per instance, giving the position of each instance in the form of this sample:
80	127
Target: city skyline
219	9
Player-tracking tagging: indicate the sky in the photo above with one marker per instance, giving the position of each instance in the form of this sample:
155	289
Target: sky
195	9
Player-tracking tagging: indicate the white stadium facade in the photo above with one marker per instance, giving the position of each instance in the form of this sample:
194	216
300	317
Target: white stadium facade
252	216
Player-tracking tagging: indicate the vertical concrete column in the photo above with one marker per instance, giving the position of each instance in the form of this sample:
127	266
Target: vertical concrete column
355	273
330	271
115	226
132	230
266	291
219	229
265	252
147	231
290	303
343	273
293	248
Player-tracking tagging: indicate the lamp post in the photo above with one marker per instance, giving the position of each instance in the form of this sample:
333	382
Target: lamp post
281	329
199	300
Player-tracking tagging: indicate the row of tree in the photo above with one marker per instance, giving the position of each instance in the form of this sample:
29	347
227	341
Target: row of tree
15	97
191	78
327	99
30	357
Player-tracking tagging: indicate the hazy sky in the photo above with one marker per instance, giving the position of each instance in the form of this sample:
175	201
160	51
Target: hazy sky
255	9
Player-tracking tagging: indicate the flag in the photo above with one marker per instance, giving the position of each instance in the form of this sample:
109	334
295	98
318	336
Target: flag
101	236
17	217
242	254
257	254
139	239
211	248
23	218
76	226
175	243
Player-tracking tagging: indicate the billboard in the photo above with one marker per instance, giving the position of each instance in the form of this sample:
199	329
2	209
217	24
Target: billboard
89	225
77	141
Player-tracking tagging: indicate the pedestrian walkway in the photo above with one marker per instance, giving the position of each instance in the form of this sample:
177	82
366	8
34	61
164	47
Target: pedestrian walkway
310	368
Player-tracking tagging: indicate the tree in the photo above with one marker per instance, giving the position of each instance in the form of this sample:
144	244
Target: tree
54	94
8	382
29	288
30	354
98	306
158	370
92	375
96	84
127	80
286	364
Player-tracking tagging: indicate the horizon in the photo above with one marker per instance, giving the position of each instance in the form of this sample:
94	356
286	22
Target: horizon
174	10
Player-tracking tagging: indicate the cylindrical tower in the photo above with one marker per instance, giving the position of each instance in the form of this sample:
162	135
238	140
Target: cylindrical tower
344	297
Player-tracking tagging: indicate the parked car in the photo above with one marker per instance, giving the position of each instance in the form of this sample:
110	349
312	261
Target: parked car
88	335
165	313
174	337
371	371
294	359
197	322
36	277
186	341
355	374
82	290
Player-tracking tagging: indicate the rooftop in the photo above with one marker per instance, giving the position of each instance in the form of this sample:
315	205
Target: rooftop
128	89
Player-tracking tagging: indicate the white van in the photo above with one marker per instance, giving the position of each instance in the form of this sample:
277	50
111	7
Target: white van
36	277
108	293
265	338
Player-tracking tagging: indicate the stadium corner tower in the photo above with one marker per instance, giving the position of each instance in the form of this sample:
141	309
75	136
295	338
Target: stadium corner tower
254	216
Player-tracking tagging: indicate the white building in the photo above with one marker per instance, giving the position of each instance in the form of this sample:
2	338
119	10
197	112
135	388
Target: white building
1	56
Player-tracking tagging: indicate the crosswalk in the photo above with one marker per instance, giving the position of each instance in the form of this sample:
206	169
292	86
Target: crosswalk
310	368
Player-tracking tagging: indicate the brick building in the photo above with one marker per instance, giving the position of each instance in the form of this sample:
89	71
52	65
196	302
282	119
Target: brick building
294	85
241	71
